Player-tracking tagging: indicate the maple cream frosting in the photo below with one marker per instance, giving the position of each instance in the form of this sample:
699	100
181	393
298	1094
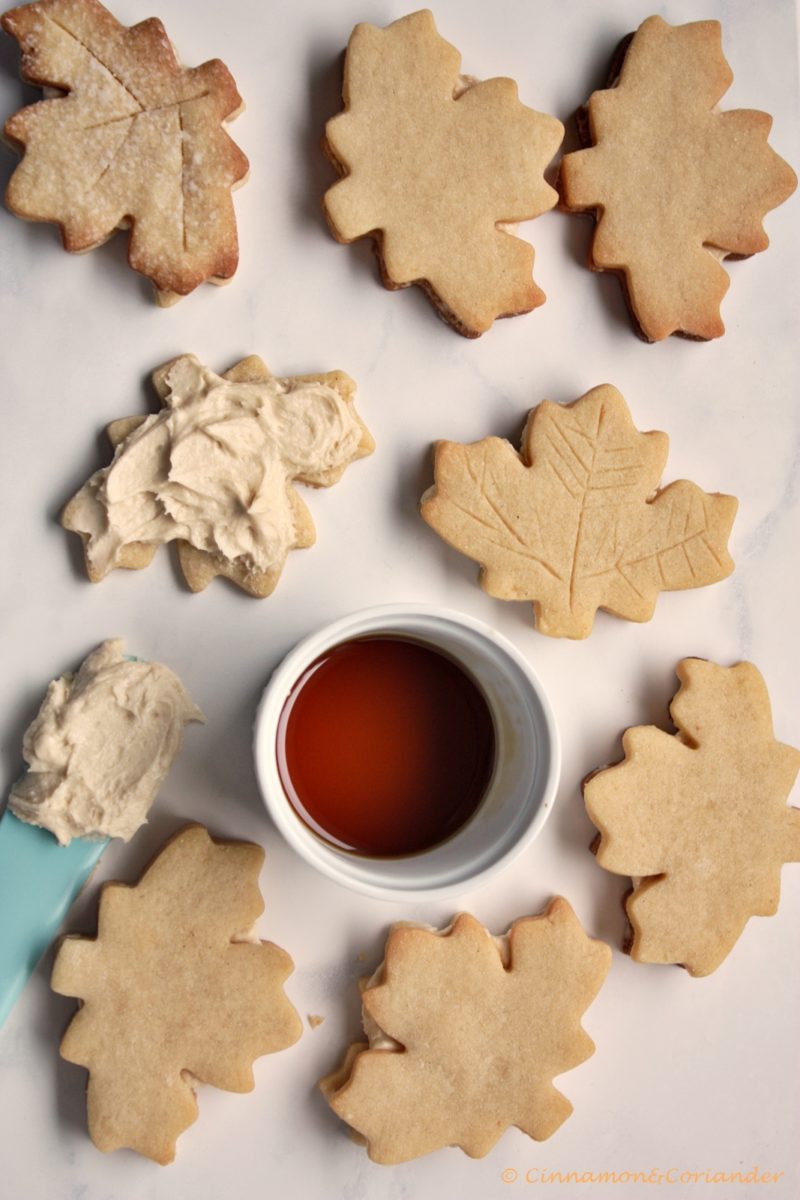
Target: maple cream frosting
101	745
214	468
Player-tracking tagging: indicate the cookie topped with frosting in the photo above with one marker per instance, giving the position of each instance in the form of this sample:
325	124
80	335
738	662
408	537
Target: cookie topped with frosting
213	471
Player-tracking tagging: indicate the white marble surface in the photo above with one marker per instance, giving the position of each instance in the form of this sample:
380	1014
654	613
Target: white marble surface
692	1074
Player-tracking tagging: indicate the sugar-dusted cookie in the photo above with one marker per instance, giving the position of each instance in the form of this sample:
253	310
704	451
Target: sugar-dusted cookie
699	818
436	165
176	989
575	521
214	472
136	141
676	183
466	1033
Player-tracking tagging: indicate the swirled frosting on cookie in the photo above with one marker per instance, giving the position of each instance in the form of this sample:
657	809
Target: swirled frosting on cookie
214	468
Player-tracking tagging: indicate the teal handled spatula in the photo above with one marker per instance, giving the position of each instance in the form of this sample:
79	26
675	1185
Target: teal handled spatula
39	880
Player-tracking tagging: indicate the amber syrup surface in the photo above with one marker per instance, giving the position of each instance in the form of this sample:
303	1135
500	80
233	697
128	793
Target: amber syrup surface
385	746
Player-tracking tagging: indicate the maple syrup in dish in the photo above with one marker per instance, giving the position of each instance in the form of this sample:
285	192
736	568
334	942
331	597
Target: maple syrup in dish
385	746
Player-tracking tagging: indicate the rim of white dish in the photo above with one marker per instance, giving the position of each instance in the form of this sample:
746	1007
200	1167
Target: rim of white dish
361	873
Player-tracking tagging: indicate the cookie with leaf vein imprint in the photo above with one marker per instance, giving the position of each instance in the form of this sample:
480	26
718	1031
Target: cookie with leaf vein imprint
176	989
136	140
436	166
676	184
699	818
466	1033
576	521
214	471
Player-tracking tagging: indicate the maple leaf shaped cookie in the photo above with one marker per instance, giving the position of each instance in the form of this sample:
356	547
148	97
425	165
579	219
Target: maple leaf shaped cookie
676	183
466	1034
434	163
175	989
214	470
136	140
699	818
575	523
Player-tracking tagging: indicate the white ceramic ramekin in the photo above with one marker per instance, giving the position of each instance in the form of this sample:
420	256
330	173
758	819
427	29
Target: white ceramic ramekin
520	793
